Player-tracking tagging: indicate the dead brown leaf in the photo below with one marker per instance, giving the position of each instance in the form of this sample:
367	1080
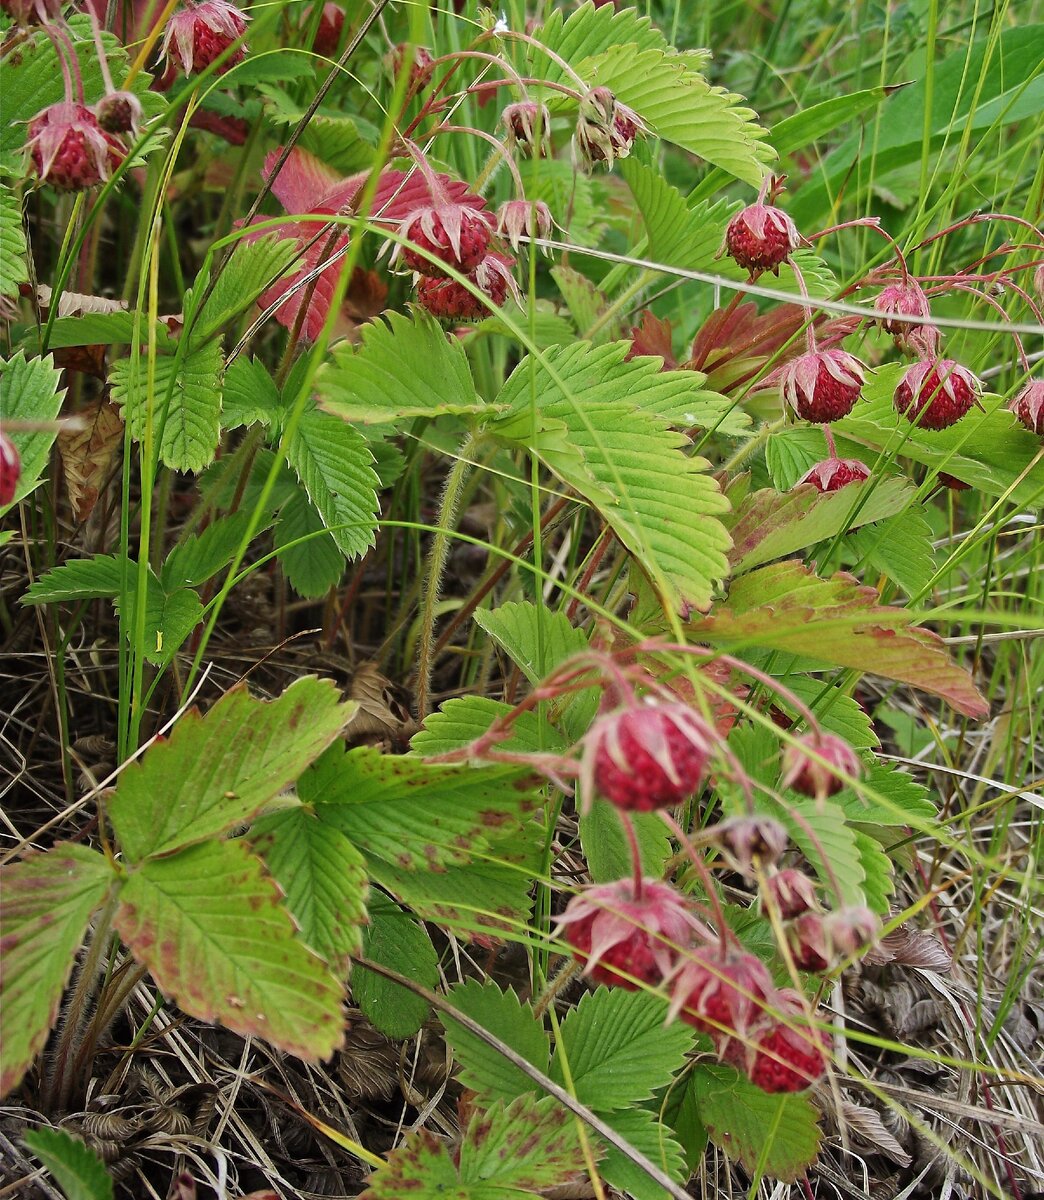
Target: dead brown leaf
88	453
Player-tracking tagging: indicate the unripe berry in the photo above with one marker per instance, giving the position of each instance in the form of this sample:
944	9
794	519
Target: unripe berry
901	299
809	946
119	112
936	394
605	129
761	237
624	939
832	474
823	385
528	126
811	765
69	150
1028	406
647	757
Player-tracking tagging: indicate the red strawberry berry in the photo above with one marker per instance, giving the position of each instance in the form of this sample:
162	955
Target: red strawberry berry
328	34
200	33
761	237
452	301
454	233
69	150
936	394
823	385
10	470
788	1056
901	299
832	474
721	994
811	764
647	757
625	940
1028	406
809	944
791	892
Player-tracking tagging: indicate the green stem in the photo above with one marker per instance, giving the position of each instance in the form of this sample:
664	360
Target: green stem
437	555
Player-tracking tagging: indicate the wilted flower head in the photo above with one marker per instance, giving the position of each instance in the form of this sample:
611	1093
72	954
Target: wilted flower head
69	150
528	126
832	474
814	763
517	219
752	842
851	929
420	59
822	385
791	892
199	34
605	128
119	112
32	12
1028	406
936	393
624	937
901	299
646	756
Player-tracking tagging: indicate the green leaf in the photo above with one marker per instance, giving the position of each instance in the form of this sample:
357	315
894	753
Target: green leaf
77	1170
49	897
502	1014
900	548
218	770
394	940
507	1153
252	269
404	368
210	925
680	235
626	460
802	129
837	621
648	1135
323	877
589	31
768	525
586	303
989	450
13	269
483	900
334	463
535	639
618	1049
777	1135
902	799
994	80
250	395
314	566
121	327
201	556
607	849
184	403
31	393
878	881
821	833
96	578
412	813
169	618
462	719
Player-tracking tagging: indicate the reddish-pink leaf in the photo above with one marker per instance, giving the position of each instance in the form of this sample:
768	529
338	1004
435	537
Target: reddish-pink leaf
837	621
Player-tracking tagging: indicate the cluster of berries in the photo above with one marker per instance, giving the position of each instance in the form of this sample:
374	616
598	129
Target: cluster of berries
823	386
644	933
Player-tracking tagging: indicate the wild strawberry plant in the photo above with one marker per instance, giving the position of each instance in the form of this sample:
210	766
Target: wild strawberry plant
498	353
